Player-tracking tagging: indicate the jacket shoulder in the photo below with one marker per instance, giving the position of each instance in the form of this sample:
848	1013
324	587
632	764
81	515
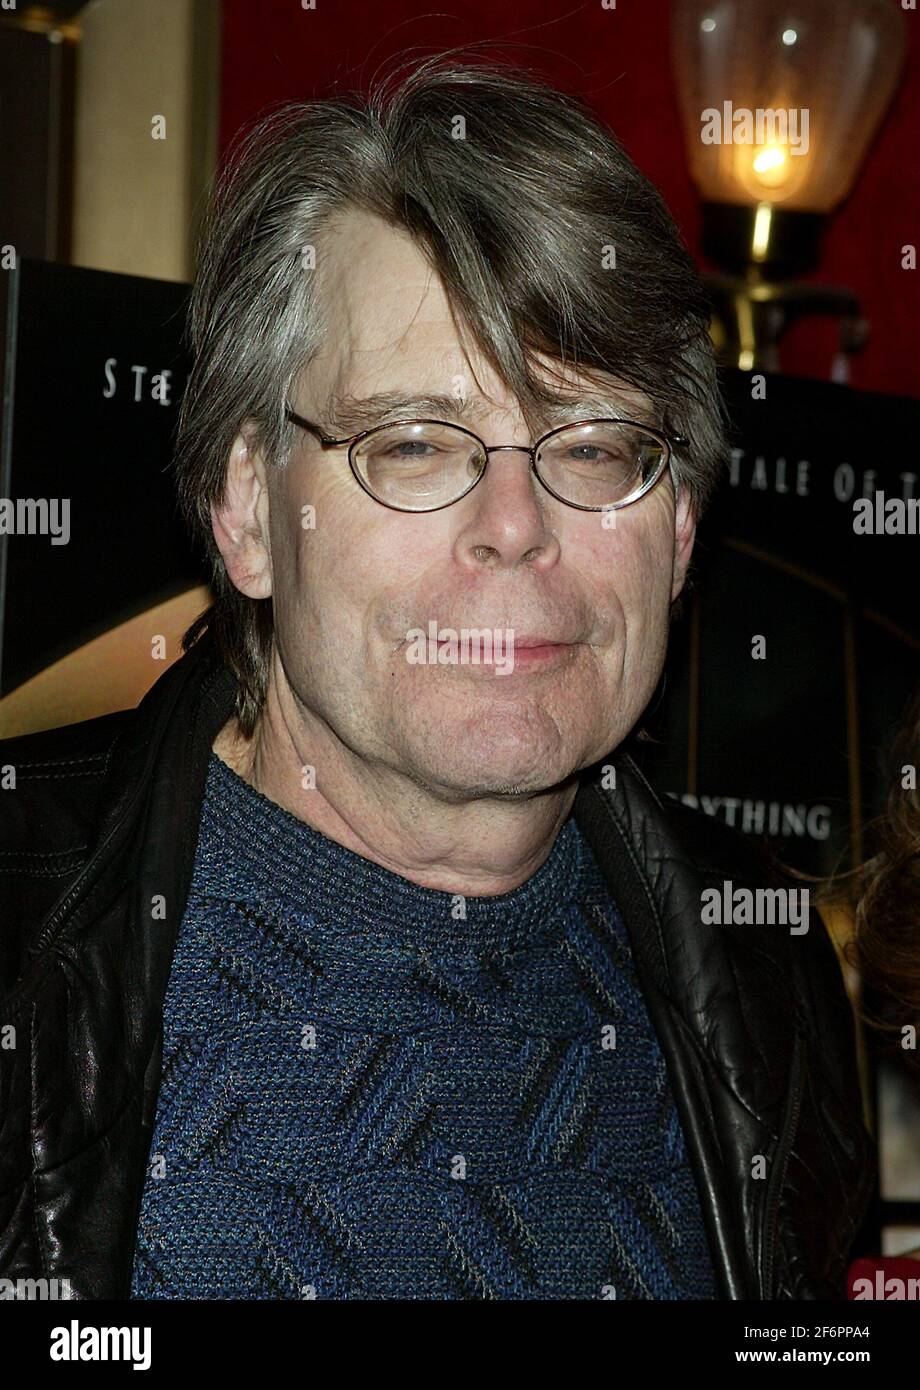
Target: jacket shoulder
51	783
51	786
774	950
721	853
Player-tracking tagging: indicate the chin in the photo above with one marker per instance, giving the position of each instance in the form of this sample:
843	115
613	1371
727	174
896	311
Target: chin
473	767
499	745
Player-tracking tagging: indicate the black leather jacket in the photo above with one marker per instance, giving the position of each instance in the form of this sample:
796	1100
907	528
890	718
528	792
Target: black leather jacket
753	1021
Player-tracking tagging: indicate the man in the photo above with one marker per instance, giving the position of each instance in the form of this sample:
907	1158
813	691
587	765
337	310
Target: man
361	961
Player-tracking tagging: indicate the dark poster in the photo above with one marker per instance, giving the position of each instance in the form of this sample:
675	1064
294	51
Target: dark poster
93	372
787	737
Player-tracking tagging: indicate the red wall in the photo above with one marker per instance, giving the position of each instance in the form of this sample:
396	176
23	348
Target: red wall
274	50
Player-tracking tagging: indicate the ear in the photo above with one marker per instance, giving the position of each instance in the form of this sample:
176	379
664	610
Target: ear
240	520
684	536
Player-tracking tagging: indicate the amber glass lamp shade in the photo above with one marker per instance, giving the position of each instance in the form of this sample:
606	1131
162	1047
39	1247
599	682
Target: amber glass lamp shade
780	99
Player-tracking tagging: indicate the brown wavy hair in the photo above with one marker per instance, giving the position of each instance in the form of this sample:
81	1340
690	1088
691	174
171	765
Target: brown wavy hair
883	896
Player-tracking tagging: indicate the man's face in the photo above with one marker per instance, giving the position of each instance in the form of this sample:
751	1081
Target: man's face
508	556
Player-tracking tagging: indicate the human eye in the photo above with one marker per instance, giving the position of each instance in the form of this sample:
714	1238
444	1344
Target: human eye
408	449
594	453
414	446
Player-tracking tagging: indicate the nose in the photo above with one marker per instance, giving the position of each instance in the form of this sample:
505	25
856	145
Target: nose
505	519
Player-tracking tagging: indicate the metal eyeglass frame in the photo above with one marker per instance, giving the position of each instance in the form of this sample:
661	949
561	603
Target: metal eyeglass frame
669	442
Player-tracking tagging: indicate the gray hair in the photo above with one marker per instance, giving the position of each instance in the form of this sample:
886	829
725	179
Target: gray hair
516	217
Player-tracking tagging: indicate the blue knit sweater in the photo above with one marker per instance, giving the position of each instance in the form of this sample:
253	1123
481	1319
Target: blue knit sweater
376	1090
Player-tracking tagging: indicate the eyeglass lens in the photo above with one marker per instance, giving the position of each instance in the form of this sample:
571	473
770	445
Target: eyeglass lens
423	465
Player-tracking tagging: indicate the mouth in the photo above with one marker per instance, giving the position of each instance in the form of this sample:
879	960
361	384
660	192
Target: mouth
529	653
512	639
525	644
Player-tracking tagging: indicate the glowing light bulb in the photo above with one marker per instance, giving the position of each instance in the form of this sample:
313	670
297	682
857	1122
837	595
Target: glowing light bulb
770	166
768	159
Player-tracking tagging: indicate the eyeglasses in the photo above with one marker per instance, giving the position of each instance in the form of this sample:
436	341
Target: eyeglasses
424	465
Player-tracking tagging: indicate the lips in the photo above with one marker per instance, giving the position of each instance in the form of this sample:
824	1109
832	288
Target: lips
519	643
522	643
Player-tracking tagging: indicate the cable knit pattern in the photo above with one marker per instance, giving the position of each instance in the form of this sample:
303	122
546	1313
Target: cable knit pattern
376	1090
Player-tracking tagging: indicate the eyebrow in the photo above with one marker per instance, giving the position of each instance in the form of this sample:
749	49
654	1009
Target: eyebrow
348	415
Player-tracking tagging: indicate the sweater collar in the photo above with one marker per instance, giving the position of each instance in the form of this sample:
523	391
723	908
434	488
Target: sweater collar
252	849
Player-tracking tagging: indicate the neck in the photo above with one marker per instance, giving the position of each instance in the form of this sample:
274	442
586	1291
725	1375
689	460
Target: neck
476	848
